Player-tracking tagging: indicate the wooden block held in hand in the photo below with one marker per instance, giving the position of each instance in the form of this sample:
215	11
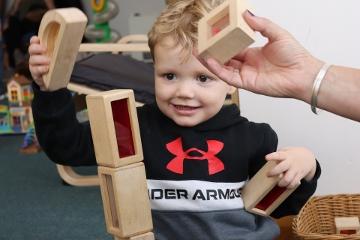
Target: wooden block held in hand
347	225
223	33
146	236
261	194
61	31
126	201
114	127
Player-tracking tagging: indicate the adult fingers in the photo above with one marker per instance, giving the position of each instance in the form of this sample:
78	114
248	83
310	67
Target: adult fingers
266	27
229	74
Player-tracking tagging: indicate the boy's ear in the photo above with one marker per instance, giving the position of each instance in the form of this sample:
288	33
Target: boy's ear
231	90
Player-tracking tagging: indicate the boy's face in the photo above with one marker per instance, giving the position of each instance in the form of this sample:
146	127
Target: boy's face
185	90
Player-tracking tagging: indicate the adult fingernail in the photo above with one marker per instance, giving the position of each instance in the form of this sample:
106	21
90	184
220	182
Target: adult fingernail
250	13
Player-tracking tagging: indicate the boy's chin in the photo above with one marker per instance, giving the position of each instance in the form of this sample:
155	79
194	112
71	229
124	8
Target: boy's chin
186	122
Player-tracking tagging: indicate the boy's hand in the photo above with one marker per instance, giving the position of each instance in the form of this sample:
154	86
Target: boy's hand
295	163
39	63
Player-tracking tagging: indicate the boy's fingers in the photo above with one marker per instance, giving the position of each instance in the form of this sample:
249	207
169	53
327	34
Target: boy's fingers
38	71
34	39
287	178
36	49
279	169
278	156
43	69
39	60
296	182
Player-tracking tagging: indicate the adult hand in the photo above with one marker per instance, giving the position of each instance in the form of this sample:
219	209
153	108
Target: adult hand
281	68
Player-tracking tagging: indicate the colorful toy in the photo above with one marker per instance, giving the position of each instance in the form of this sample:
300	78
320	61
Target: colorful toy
5	119
100	31
17	117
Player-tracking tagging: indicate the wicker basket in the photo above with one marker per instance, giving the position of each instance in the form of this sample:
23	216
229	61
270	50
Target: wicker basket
316	218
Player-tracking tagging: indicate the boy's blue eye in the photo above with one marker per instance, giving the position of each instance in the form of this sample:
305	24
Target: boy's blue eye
169	76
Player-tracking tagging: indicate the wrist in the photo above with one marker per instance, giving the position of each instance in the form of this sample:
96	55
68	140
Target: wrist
311	69
311	174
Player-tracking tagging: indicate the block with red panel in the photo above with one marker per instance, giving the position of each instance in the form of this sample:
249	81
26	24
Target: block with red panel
261	194
115	128
223	32
347	225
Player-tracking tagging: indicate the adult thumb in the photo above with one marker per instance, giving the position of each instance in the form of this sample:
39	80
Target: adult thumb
266	27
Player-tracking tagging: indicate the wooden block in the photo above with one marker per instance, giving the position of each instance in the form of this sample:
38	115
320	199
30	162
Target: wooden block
223	33
115	128
126	201
146	236
261	194
347	225
61	30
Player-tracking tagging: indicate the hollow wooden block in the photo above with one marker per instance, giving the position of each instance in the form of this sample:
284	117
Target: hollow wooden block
261	194
115	128
347	225
146	236
223	33
61	31
126	202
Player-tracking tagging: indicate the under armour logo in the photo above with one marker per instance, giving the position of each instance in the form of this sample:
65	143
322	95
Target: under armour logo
176	165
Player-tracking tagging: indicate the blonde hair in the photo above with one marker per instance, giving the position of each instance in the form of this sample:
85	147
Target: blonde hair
179	21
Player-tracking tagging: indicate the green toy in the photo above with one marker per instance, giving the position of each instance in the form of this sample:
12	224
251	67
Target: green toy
100	31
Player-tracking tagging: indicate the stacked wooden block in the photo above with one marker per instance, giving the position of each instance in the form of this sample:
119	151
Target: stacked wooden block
114	127
118	150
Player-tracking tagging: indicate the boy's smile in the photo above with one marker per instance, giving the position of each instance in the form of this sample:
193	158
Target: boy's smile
185	90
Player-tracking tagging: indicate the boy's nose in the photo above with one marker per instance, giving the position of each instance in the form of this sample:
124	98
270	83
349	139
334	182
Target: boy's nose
185	90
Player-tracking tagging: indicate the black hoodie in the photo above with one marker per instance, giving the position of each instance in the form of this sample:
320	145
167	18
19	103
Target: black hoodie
194	175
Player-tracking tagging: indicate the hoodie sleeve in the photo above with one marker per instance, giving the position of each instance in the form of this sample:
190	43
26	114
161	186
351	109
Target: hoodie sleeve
63	138
268	141
265	142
